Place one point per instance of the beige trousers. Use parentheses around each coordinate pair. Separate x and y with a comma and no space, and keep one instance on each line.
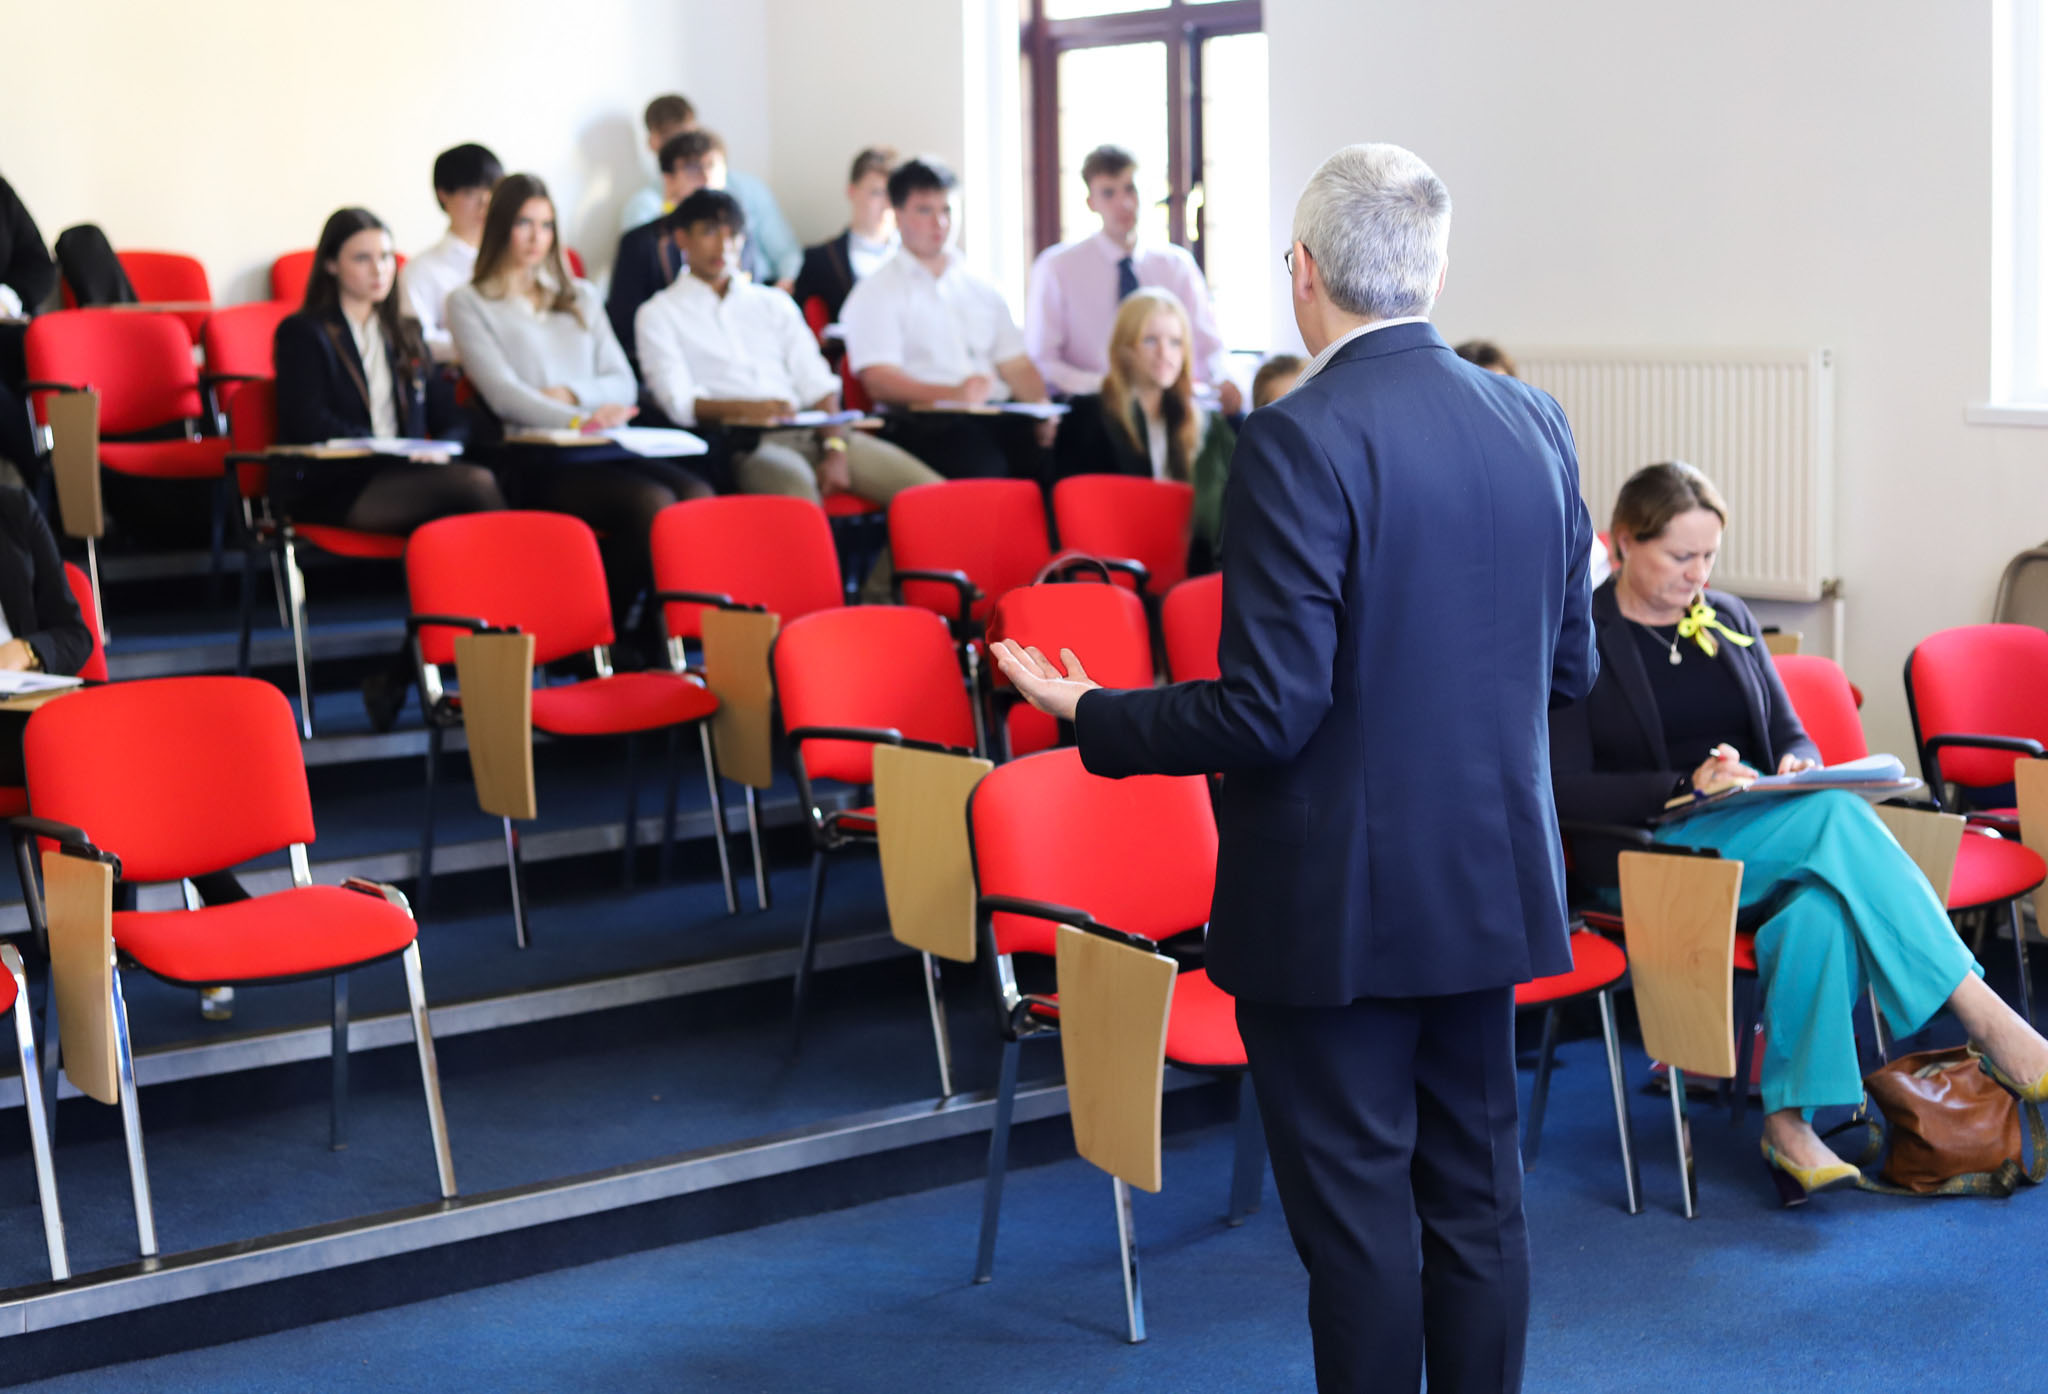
(785,462)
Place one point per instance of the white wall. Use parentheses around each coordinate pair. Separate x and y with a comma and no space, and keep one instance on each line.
(231,128)
(1747,174)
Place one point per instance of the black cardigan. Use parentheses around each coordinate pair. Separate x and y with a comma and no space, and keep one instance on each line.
(34,594)
(322,393)
(24,261)
(1608,759)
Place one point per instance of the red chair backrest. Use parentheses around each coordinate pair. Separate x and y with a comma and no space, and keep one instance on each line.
(239,339)
(575,260)
(252,429)
(1825,705)
(1138,854)
(95,669)
(538,572)
(139,363)
(1104,626)
(852,395)
(881,666)
(1984,680)
(289,275)
(165,276)
(1191,620)
(178,776)
(992,529)
(1122,516)
(760,549)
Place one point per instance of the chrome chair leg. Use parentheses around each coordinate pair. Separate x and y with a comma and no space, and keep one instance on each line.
(2019,949)
(632,838)
(1127,1244)
(515,868)
(1682,1133)
(92,568)
(423,884)
(1747,988)
(131,1124)
(337,1108)
(807,952)
(430,1071)
(754,837)
(717,791)
(998,1160)
(942,1035)
(1539,1092)
(296,584)
(38,1120)
(1248,1161)
(974,698)
(1621,1125)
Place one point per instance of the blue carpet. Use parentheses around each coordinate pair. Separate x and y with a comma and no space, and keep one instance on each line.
(1851,1293)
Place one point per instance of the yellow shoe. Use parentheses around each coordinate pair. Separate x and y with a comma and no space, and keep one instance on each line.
(1795,1184)
(2034,1093)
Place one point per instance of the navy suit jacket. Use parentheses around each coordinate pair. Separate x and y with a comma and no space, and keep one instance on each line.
(1404,599)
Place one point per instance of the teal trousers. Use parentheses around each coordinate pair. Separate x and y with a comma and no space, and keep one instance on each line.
(1853,911)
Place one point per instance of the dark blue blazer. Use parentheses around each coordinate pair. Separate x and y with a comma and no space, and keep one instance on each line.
(322,393)
(1404,598)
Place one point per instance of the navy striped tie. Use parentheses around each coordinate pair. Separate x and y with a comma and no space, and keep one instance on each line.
(1126,280)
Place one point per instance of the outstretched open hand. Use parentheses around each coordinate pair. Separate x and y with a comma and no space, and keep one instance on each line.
(1039,682)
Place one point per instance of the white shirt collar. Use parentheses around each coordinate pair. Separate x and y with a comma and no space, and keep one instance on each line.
(1321,360)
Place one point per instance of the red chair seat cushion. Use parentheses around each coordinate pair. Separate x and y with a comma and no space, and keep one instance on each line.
(347,542)
(1596,963)
(855,820)
(289,934)
(1993,869)
(845,505)
(7,992)
(616,705)
(167,459)
(1745,951)
(1201,1030)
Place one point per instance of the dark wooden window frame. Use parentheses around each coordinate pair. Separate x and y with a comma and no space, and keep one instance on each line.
(1181,27)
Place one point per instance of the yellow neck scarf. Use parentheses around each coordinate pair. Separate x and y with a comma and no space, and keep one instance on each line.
(1701,623)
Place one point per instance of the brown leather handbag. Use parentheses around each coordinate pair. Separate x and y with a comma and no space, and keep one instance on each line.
(1953,1129)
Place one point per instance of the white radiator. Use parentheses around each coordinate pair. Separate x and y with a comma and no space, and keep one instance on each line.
(1761,425)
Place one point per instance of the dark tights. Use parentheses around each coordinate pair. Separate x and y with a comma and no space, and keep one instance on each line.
(618,498)
(399,498)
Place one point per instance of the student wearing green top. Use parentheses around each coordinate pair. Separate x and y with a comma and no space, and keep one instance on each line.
(1145,420)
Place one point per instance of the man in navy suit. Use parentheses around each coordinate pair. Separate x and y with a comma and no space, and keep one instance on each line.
(1404,598)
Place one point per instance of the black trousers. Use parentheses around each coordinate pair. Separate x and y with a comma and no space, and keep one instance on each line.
(617,493)
(1387,1118)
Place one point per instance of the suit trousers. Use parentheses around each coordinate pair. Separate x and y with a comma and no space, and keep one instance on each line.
(1391,1120)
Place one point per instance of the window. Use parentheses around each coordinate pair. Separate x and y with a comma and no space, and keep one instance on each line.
(1181,84)
(2020,279)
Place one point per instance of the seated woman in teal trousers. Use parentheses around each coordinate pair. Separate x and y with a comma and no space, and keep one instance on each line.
(1688,701)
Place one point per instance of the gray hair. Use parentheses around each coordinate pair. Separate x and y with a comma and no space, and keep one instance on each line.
(1377,220)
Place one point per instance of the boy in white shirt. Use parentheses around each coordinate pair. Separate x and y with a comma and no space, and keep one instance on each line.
(922,330)
(719,350)
(463,180)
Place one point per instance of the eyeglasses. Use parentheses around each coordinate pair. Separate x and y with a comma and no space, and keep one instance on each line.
(1287,257)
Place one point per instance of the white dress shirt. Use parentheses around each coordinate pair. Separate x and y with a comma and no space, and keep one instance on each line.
(938,329)
(750,344)
(369,338)
(425,283)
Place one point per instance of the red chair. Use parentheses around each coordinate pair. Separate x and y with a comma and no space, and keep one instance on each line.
(817,317)
(289,275)
(1977,705)
(1191,623)
(1990,870)
(1104,626)
(1598,966)
(140,365)
(237,343)
(541,574)
(960,544)
(849,679)
(575,260)
(1135,857)
(1123,519)
(742,552)
(177,777)
(252,427)
(165,278)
